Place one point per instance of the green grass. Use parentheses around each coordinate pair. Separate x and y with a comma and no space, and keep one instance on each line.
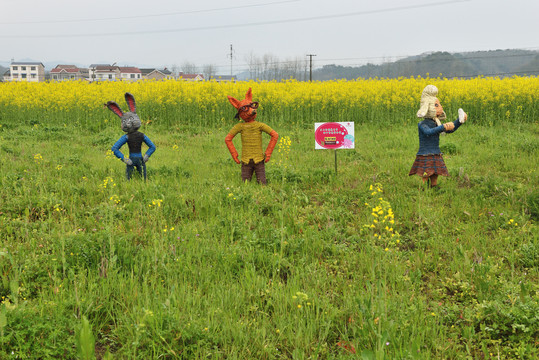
(223,269)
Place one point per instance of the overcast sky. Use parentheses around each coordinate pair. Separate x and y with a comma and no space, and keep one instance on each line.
(346,32)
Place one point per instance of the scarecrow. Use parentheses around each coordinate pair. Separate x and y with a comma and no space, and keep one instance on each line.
(133,138)
(252,156)
(429,162)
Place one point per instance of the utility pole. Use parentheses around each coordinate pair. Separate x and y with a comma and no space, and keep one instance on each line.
(311,66)
(231,59)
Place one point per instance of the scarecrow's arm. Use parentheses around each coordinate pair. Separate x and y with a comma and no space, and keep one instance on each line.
(271,145)
(457,124)
(230,146)
(116,147)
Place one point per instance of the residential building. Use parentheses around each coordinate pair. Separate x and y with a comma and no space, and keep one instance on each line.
(223,78)
(156,74)
(7,75)
(68,72)
(130,73)
(103,72)
(191,77)
(27,71)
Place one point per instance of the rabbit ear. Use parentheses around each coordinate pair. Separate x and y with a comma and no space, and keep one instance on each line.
(115,108)
(234,102)
(249,95)
(130,99)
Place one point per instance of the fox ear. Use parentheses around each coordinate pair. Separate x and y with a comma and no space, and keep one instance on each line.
(234,102)
(249,95)
(130,99)
(115,108)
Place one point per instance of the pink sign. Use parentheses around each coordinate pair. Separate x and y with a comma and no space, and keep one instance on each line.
(334,135)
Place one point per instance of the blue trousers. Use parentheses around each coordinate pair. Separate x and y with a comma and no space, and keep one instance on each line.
(137,164)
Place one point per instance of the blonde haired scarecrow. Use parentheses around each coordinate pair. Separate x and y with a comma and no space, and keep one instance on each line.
(429,162)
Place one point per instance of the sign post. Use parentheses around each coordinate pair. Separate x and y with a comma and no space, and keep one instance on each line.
(334,135)
(335,151)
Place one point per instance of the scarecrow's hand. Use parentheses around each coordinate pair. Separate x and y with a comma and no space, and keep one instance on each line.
(127,161)
(449,126)
(235,157)
(145,158)
(268,156)
(462,116)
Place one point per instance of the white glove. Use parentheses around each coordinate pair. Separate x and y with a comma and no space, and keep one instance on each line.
(462,116)
(145,158)
(127,161)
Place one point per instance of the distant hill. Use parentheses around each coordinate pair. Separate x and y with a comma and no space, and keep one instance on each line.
(489,63)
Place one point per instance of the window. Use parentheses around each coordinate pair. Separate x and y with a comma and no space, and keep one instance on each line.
(33,76)
(55,77)
(23,68)
(132,76)
(23,76)
(33,68)
(110,77)
(15,68)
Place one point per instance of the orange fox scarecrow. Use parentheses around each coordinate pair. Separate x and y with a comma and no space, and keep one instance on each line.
(252,157)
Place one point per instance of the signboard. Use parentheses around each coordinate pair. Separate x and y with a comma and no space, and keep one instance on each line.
(334,135)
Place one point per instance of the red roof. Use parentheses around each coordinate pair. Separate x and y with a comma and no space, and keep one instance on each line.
(191,76)
(57,70)
(128,69)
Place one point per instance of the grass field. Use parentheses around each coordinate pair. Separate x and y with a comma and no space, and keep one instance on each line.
(365,263)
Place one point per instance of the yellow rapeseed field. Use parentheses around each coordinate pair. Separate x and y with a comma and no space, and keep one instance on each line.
(489,99)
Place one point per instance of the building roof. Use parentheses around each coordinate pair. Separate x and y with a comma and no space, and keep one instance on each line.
(223,77)
(191,76)
(66,67)
(69,70)
(106,68)
(130,69)
(149,71)
(26,63)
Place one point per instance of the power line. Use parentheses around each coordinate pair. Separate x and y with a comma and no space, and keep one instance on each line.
(218,27)
(148,15)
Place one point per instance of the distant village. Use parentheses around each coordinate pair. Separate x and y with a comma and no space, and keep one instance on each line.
(35,72)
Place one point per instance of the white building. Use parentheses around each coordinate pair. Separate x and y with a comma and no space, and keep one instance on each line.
(27,71)
(102,72)
(129,73)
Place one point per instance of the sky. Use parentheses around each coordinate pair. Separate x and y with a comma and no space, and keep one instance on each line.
(161,33)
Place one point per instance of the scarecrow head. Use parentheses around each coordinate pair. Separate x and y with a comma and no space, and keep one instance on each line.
(246,107)
(130,119)
(430,107)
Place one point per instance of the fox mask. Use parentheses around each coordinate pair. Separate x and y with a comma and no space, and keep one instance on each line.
(246,108)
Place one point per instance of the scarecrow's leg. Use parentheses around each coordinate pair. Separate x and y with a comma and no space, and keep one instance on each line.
(260,171)
(247,170)
(128,171)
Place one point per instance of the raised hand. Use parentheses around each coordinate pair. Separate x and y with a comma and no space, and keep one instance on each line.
(449,126)
(462,116)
